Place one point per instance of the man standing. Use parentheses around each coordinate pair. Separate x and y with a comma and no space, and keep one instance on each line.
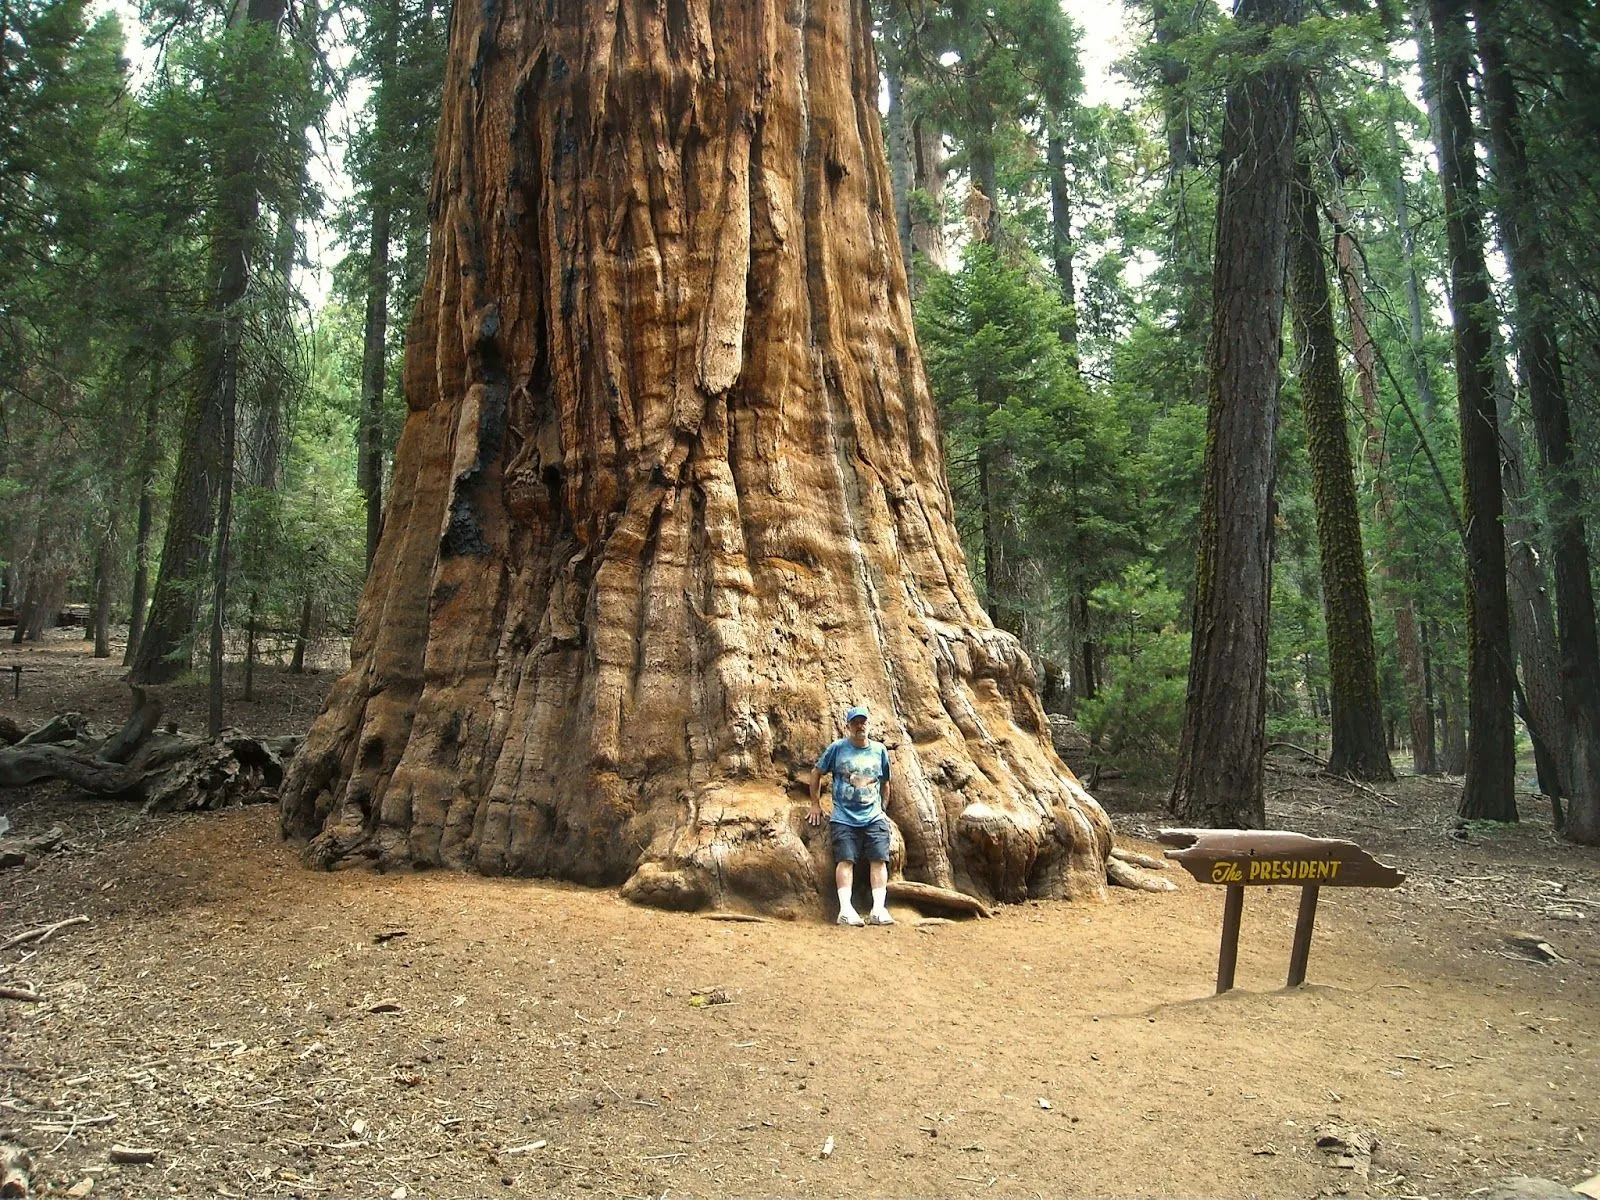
(860,770)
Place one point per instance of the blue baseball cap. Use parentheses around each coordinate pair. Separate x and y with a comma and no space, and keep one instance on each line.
(859,710)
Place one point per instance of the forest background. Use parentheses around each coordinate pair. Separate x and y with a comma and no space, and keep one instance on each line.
(194,438)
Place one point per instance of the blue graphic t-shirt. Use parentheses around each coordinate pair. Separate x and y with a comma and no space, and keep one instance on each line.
(860,774)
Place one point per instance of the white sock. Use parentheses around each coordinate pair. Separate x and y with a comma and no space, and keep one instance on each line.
(880,895)
(844,900)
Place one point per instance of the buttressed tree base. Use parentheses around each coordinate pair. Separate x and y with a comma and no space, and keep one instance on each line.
(670,494)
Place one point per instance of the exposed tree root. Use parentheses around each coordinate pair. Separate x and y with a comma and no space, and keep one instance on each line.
(1125,874)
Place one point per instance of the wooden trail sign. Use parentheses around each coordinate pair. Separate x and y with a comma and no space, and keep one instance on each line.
(1241,858)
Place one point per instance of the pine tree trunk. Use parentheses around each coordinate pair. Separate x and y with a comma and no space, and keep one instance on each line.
(1533,627)
(927,198)
(1408,252)
(900,157)
(1061,241)
(1453,729)
(1533,287)
(1488,793)
(1172,23)
(667,410)
(297,662)
(1402,612)
(1358,744)
(148,460)
(373,370)
(166,648)
(100,622)
(1219,780)
(375,334)
(228,400)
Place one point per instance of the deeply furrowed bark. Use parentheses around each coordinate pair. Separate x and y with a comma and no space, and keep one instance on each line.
(1219,780)
(669,493)
(1359,747)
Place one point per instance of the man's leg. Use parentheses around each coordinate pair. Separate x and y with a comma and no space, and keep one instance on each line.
(846,849)
(878,876)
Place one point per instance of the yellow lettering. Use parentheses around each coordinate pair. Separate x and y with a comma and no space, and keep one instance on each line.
(1333,870)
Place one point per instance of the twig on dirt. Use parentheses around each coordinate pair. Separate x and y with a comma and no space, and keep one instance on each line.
(43,933)
(11,993)
(1316,758)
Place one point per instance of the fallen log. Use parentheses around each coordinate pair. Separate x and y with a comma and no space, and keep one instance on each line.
(27,763)
(10,732)
(926,895)
(28,994)
(68,727)
(122,745)
(167,772)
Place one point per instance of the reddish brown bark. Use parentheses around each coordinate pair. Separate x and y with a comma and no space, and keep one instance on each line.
(670,494)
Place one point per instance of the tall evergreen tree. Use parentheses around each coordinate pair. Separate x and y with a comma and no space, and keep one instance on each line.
(1359,746)
(1219,779)
(1491,752)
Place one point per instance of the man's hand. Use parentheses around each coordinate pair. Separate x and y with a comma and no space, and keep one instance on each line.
(814,817)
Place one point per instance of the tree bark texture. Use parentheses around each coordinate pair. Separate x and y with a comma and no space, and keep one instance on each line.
(927,198)
(1219,780)
(1533,625)
(1533,287)
(901,167)
(1359,747)
(1402,610)
(1491,753)
(670,495)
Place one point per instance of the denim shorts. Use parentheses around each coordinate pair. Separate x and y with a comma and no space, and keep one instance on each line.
(852,843)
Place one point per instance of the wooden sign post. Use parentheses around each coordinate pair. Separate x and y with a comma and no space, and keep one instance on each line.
(1241,858)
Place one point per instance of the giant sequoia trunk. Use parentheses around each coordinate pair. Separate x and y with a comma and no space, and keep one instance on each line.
(1224,726)
(669,493)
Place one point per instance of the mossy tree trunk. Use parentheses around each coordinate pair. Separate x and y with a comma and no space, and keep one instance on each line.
(1359,747)
(669,493)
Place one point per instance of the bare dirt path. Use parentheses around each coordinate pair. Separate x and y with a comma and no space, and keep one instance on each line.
(275,1032)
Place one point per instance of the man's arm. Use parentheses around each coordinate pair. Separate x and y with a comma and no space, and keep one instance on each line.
(817,772)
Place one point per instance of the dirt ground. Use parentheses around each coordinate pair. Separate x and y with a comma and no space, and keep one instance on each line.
(279,1033)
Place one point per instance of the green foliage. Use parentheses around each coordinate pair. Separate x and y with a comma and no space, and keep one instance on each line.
(1136,720)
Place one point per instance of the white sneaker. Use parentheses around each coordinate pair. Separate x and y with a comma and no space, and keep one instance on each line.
(879,916)
(849,916)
